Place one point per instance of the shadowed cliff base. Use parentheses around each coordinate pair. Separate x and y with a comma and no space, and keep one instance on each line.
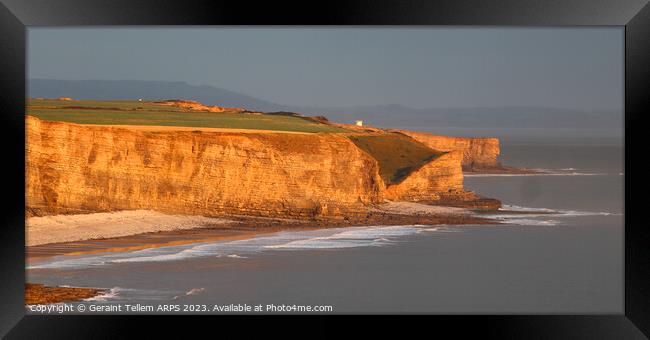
(474,202)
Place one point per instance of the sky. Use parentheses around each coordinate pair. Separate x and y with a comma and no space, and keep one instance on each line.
(419,67)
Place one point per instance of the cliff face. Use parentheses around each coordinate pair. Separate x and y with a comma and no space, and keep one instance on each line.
(477,152)
(84,168)
(74,168)
(442,175)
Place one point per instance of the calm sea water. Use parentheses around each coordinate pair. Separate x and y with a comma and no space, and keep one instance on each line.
(568,261)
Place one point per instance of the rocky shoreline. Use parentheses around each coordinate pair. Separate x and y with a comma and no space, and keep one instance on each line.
(39,294)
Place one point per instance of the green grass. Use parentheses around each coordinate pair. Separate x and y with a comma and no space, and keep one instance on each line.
(398,155)
(146,113)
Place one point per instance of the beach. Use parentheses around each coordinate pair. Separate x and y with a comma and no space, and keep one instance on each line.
(76,235)
(80,227)
(140,229)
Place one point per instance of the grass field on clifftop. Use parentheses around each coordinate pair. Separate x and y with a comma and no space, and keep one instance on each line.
(122,112)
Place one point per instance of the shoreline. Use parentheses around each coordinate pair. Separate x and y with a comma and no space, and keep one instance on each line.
(124,231)
(229,228)
(148,240)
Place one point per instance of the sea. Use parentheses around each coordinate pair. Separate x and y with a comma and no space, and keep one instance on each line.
(564,255)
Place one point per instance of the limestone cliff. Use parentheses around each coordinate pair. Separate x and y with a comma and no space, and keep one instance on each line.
(73,168)
(477,152)
(83,168)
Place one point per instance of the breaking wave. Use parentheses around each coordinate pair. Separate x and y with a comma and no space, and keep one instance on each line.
(518,215)
(531,222)
(322,239)
(333,238)
(195,291)
(543,172)
(358,237)
(120,294)
(553,212)
(112,294)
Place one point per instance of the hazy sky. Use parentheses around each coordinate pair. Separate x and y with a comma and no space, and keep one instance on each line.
(418,67)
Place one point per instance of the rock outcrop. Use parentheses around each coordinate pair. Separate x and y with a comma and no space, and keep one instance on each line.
(478,153)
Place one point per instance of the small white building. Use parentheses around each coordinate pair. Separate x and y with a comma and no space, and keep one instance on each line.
(359,123)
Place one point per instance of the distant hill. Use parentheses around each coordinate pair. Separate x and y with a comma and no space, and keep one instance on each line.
(148,90)
(381,116)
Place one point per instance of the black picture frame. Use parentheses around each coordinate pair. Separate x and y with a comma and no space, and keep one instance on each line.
(15,15)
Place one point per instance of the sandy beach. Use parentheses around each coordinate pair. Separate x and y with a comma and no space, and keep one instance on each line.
(80,227)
